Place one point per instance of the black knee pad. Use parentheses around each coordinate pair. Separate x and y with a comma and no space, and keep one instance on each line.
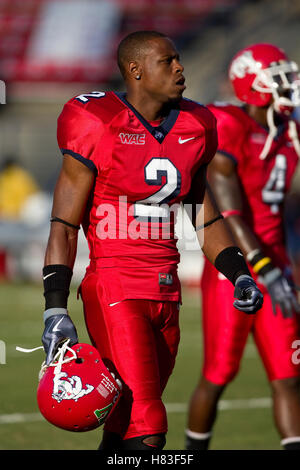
(137,443)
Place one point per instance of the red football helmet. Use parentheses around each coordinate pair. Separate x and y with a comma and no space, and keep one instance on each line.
(261,72)
(77,392)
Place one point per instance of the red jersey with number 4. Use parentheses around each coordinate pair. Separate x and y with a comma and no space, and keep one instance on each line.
(141,171)
(264,183)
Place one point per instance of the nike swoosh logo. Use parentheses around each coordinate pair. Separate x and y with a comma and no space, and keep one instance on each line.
(115,303)
(48,275)
(182,141)
(56,326)
(240,253)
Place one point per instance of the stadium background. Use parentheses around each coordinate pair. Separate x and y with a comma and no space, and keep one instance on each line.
(51,50)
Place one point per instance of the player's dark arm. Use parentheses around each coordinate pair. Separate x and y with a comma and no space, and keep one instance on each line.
(227,192)
(71,193)
(213,233)
(70,198)
(225,185)
(218,245)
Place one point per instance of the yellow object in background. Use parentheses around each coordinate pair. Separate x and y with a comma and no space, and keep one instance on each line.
(16,185)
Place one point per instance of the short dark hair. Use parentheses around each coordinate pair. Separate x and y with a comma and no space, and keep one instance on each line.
(132,46)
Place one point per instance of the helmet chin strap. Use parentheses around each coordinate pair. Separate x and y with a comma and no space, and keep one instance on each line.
(292,131)
(293,135)
(58,360)
(272,132)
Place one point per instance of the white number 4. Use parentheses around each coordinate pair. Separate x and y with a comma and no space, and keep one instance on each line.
(273,191)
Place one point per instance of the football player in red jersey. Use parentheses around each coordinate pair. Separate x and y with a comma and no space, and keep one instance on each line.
(258,151)
(128,158)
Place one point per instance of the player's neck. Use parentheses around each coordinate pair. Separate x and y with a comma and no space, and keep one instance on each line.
(259,114)
(150,109)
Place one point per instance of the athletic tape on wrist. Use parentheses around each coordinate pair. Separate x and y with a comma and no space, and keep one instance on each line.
(250,256)
(54,311)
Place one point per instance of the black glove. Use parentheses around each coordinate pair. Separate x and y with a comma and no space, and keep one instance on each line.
(280,292)
(58,328)
(249,298)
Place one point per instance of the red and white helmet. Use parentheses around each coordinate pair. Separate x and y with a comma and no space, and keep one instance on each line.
(262,75)
(261,72)
(76,391)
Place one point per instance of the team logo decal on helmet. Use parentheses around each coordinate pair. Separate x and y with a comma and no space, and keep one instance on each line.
(101,415)
(76,391)
(69,388)
(242,65)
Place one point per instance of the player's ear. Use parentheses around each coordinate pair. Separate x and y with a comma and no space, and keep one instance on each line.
(134,70)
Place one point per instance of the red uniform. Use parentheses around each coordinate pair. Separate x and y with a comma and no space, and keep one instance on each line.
(141,170)
(264,183)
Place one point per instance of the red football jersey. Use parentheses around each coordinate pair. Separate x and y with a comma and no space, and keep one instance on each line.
(141,170)
(264,183)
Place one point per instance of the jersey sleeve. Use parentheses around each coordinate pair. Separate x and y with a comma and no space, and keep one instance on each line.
(230,133)
(78,133)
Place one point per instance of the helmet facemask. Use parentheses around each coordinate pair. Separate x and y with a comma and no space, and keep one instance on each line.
(283,82)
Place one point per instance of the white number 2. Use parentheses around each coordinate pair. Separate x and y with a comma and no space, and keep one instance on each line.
(94,94)
(155,169)
(273,191)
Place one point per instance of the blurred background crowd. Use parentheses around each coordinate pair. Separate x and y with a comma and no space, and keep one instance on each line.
(51,50)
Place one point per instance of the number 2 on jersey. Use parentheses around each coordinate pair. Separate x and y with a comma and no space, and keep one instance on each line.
(86,96)
(155,170)
(273,191)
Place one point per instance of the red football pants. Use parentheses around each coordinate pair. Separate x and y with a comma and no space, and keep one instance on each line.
(225,332)
(139,340)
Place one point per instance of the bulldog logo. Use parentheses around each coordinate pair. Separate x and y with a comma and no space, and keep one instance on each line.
(69,388)
(242,65)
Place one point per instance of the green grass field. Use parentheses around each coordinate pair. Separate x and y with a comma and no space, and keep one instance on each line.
(21,427)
